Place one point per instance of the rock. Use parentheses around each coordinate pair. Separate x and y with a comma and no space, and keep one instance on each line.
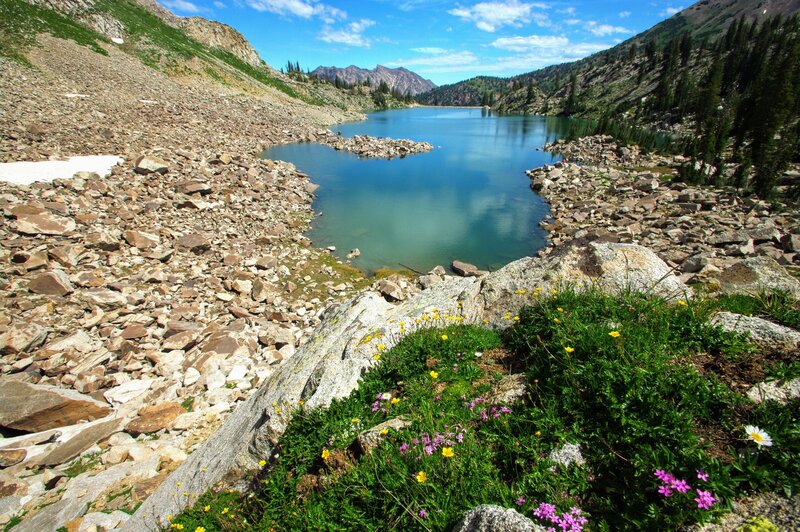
(134,331)
(87,487)
(390,290)
(491,518)
(44,224)
(355,252)
(154,418)
(10,457)
(371,438)
(99,521)
(142,240)
(126,392)
(195,242)
(780,391)
(508,390)
(756,275)
(81,439)
(464,269)
(38,407)
(54,516)
(103,297)
(147,164)
(570,453)
(694,264)
(52,283)
(764,333)
(22,337)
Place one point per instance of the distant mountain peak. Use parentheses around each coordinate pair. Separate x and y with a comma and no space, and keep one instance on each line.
(400,79)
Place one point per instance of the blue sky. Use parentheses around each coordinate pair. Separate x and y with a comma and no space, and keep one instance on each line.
(444,41)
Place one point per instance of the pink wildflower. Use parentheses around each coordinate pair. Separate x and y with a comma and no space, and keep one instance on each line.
(704,499)
(665,490)
(423,514)
(702,475)
(520,501)
(681,486)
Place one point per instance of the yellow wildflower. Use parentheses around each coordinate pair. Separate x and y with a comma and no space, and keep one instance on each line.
(381,347)
(176,526)
(569,349)
(376,356)
(444,337)
(207,507)
(447,452)
(200,529)
(325,454)
(560,309)
(395,400)
(262,463)
(682,303)
(434,375)
(516,318)
(355,420)
(556,320)
(421,477)
(614,334)
(224,511)
(384,432)
(538,433)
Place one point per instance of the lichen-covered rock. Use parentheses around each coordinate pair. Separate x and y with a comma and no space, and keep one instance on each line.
(755,275)
(780,391)
(761,332)
(491,518)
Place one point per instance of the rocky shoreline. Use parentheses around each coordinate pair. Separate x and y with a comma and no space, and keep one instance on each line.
(140,308)
(370,147)
(605,192)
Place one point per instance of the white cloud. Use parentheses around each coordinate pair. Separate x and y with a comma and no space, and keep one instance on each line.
(668,12)
(572,21)
(531,42)
(299,8)
(219,5)
(489,16)
(625,14)
(431,50)
(351,36)
(182,5)
(457,60)
(601,30)
(568,11)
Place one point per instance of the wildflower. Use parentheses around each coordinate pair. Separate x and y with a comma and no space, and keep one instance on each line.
(556,320)
(207,507)
(516,318)
(176,526)
(325,454)
(569,349)
(354,420)
(421,477)
(761,438)
(444,337)
(200,529)
(376,356)
(560,309)
(403,448)
(384,432)
(277,410)
(702,475)
(262,463)
(538,433)
(665,490)
(447,452)
(394,400)
(545,511)
(681,486)
(614,334)
(704,499)
(682,303)
(434,375)
(520,501)
(423,514)
(178,484)
(381,347)
(224,511)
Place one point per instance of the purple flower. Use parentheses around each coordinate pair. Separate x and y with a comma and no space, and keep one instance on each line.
(545,511)
(704,499)
(702,475)
(665,490)
(423,514)
(403,448)
(438,397)
(520,501)
(460,437)
(681,486)
(429,450)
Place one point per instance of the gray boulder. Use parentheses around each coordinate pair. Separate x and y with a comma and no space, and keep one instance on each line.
(758,274)
(761,332)
(491,518)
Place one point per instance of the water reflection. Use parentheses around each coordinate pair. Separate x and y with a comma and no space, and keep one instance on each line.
(467,199)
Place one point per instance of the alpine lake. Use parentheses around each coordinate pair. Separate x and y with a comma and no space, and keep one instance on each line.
(467,199)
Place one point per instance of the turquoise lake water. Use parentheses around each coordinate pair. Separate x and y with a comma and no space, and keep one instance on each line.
(468,199)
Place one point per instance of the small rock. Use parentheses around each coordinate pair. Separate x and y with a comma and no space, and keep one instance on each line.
(147,164)
(52,283)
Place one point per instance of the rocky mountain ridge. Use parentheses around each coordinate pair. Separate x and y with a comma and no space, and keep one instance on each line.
(400,80)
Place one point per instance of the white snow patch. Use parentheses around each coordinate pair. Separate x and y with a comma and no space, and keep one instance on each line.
(117,40)
(26,172)
(75,95)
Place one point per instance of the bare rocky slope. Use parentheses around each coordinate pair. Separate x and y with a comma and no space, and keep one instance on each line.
(399,79)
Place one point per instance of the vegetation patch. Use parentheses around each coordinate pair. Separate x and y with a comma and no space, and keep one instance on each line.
(613,428)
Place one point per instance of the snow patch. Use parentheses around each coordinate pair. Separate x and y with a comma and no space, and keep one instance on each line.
(26,172)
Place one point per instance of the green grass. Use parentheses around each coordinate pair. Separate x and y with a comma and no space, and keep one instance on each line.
(82,464)
(775,306)
(634,402)
(20,22)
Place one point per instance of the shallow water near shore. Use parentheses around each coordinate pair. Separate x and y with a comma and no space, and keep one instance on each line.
(468,199)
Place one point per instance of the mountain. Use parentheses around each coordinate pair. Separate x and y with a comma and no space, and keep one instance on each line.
(400,80)
(618,77)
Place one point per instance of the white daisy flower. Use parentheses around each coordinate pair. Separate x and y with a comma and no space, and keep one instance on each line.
(761,438)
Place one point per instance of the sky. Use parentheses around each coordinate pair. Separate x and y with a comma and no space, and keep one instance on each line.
(442,40)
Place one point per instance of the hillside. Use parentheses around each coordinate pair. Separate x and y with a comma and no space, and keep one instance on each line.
(480,90)
(399,80)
